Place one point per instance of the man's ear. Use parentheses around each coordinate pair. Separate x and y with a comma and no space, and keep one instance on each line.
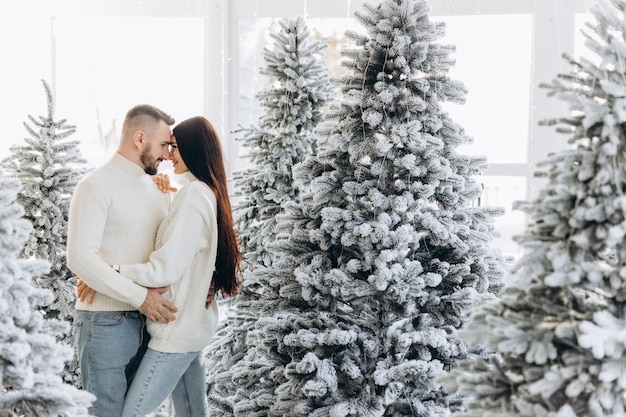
(138,138)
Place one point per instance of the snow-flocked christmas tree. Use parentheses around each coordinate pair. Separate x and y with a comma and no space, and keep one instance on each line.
(558,330)
(31,358)
(298,89)
(49,166)
(376,266)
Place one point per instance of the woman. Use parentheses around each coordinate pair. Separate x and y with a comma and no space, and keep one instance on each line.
(196,254)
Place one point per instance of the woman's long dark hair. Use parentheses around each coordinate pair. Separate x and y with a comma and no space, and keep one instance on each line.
(200,148)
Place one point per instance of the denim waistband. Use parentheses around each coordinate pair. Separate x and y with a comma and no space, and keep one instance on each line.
(132,314)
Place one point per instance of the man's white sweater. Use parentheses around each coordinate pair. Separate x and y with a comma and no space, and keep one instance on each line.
(114,215)
(184,260)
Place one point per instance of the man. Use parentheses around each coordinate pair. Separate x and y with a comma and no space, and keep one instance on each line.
(113,219)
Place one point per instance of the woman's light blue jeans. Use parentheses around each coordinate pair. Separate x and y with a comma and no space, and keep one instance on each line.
(109,345)
(159,374)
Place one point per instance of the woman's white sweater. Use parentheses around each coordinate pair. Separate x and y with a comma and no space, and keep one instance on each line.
(184,260)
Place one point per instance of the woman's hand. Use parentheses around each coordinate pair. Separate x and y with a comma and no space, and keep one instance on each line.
(83,291)
(163,182)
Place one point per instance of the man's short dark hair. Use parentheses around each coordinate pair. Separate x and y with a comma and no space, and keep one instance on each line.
(148,110)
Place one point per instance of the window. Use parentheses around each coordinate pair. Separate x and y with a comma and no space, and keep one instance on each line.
(118,62)
(100,61)
(496,70)
(203,56)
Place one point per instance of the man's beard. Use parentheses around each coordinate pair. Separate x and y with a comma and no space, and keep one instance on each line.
(148,167)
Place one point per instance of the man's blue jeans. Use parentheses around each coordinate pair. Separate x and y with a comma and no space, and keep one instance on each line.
(159,374)
(110,345)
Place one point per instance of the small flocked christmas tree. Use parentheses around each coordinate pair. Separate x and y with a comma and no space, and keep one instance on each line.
(48,166)
(298,89)
(31,358)
(377,265)
(558,330)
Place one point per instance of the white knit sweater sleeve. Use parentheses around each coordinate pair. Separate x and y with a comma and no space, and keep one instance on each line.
(185,227)
(87,218)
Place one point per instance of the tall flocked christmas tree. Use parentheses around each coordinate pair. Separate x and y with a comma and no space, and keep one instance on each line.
(558,329)
(49,166)
(298,89)
(31,358)
(378,263)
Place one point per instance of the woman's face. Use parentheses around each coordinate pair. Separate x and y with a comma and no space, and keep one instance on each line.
(177,160)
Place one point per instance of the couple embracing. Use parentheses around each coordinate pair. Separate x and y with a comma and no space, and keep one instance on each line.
(150,265)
